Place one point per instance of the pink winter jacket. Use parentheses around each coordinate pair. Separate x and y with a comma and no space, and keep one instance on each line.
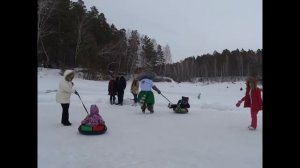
(94,117)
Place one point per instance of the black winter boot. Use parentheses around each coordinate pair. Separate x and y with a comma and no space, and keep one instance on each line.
(143,108)
(150,108)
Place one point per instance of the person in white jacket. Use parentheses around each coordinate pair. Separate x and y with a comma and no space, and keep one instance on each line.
(63,95)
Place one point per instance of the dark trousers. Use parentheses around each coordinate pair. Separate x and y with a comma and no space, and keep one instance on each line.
(135,98)
(148,106)
(120,96)
(112,99)
(65,113)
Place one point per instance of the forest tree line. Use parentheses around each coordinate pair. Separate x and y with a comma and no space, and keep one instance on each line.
(70,36)
(226,66)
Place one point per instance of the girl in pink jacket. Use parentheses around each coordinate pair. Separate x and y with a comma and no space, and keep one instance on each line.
(94,117)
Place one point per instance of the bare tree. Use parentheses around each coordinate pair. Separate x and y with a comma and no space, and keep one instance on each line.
(82,33)
(45,8)
(167,54)
(80,25)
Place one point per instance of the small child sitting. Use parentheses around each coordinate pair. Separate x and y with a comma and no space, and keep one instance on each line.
(94,117)
(181,106)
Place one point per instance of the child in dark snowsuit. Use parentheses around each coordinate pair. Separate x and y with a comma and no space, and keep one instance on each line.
(181,106)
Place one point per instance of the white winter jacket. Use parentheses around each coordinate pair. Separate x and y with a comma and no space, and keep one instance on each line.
(65,89)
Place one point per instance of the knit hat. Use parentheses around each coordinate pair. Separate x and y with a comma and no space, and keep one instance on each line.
(94,109)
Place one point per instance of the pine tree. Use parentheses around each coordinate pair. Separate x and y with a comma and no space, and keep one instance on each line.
(167,54)
(148,53)
(133,46)
(160,56)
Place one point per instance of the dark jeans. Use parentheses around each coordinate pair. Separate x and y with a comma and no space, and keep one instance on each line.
(112,99)
(135,98)
(65,113)
(120,96)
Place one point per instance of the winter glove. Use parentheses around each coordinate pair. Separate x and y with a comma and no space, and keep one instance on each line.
(72,83)
(76,92)
(158,92)
(238,103)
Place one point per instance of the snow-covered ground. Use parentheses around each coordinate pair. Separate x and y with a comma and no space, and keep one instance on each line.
(213,134)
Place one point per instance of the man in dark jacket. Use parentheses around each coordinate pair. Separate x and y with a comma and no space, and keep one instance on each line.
(121,85)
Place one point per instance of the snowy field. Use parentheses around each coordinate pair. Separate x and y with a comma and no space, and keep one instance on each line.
(213,134)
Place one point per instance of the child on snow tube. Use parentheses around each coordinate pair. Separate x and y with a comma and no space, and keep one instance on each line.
(181,106)
(93,124)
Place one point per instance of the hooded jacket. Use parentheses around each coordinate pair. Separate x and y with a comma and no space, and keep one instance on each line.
(65,89)
(94,117)
(252,98)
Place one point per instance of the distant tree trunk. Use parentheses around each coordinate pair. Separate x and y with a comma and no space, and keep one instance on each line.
(48,60)
(215,66)
(248,69)
(227,66)
(78,40)
(242,62)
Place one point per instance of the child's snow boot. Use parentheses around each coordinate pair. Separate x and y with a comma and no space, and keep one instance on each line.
(143,107)
(251,128)
(150,108)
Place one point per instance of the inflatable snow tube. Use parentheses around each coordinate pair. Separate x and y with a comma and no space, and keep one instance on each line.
(181,110)
(89,130)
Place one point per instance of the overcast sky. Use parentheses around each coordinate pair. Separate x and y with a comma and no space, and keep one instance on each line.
(190,27)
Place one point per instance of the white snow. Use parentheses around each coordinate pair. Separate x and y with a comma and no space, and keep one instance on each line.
(213,134)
